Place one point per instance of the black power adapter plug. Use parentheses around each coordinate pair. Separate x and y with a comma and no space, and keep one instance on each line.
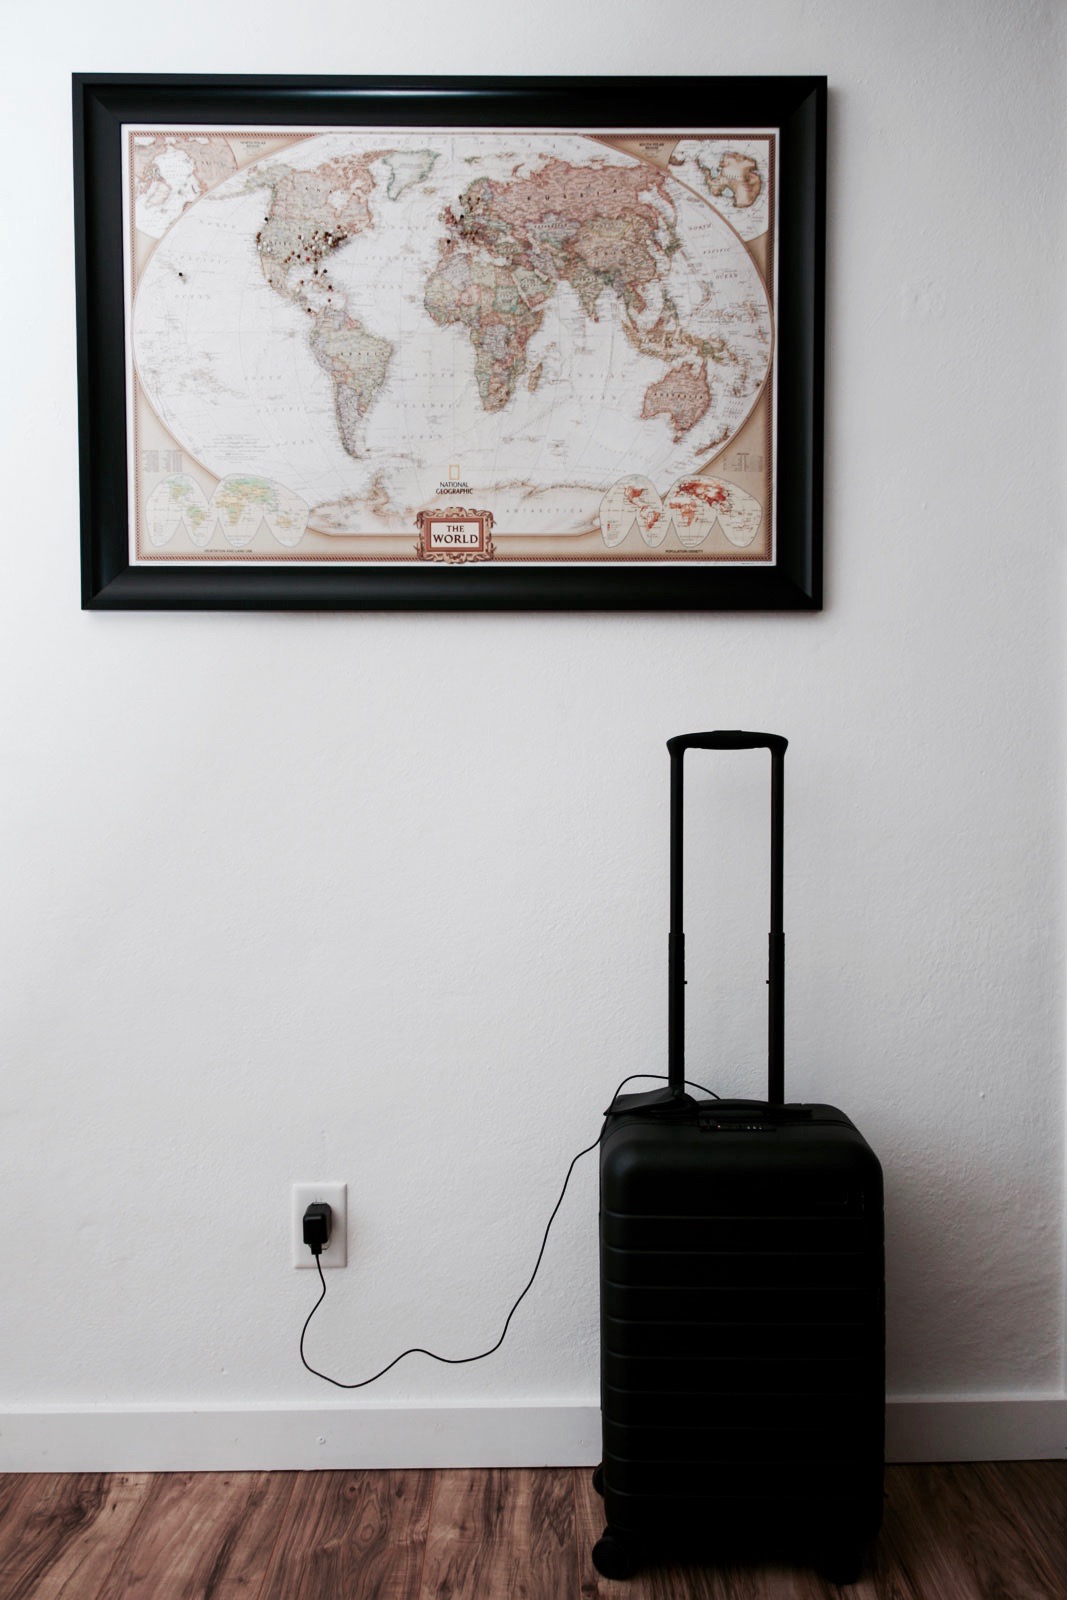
(317,1221)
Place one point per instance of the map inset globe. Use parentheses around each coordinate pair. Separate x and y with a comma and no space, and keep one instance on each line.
(366,318)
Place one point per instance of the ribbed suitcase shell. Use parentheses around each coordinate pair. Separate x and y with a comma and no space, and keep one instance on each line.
(742,1326)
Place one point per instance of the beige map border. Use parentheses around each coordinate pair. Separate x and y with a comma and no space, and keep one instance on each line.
(754,439)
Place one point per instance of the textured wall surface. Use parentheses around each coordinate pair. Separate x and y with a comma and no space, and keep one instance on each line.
(384,899)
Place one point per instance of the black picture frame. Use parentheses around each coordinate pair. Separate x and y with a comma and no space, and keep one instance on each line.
(794,107)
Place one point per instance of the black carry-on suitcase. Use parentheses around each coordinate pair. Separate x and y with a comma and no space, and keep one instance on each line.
(742,1299)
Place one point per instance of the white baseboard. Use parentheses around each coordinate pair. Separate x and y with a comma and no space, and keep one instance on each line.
(299,1438)
(1012,1428)
(263,1438)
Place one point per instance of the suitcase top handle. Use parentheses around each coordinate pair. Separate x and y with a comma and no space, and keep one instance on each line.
(727,739)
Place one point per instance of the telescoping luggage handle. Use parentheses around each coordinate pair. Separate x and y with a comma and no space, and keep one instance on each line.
(727,739)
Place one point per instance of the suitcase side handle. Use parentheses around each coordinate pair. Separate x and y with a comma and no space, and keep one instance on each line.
(727,739)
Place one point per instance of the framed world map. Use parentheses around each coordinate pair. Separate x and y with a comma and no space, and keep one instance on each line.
(440,343)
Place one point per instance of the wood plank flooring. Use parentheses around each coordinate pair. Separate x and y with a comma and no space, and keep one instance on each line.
(977,1532)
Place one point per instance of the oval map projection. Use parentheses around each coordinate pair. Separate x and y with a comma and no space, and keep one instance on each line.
(371,322)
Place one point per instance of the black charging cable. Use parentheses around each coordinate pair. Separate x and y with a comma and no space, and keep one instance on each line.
(459,1361)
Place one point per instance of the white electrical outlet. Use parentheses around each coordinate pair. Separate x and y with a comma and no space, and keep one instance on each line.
(335,1195)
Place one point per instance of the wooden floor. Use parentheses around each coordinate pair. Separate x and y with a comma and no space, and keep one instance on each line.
(986,1532)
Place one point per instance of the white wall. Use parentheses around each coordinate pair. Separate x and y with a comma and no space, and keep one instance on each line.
(383,899)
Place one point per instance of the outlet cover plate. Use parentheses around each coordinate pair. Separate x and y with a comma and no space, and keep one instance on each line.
(335,1195)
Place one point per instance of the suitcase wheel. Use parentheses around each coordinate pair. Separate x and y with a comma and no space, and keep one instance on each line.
(598,1479)
(841,1565)
(612,1558)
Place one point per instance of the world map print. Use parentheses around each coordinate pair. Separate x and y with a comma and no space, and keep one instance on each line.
(362,326)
